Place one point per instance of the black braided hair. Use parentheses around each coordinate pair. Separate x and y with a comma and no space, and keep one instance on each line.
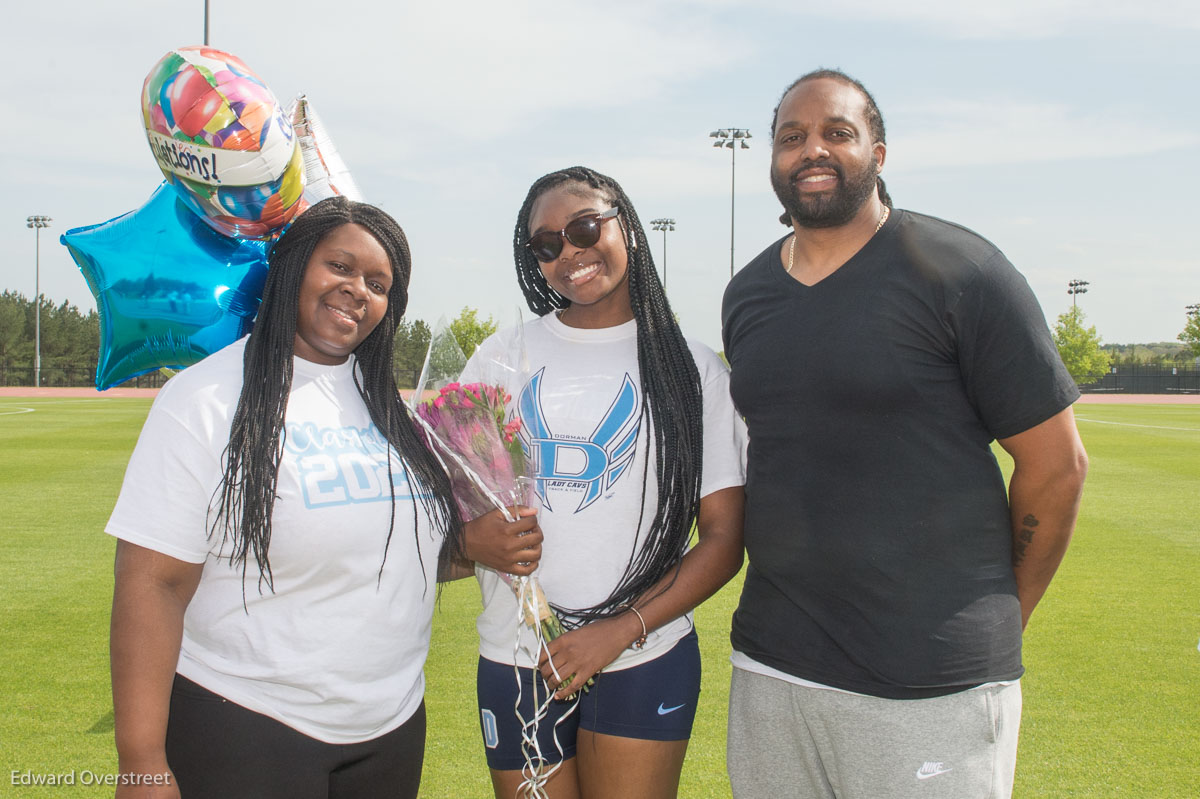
(246,496)
(874,121)
(671,390)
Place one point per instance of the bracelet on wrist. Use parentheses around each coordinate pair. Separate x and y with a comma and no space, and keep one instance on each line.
(640,641)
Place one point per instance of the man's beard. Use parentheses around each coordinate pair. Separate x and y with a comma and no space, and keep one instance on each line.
(827,209)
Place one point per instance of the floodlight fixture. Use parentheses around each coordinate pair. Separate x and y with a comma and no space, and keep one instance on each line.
(726,137)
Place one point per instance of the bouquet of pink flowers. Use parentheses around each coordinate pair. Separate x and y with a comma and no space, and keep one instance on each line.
(468,422)
(488,470)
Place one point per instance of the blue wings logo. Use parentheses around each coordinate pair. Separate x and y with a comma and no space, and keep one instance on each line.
(593,465)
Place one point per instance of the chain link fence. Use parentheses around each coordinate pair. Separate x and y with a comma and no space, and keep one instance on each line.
(1142,378)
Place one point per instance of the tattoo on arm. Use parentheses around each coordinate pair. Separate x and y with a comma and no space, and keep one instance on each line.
(1023,538)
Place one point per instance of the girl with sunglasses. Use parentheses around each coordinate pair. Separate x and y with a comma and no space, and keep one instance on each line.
(634,440)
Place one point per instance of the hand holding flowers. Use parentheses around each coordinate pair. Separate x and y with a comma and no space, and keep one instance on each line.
(466,426)
(507,547)
(584,651)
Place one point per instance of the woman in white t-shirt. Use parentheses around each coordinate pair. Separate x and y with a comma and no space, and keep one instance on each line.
(633,439)
(279,528)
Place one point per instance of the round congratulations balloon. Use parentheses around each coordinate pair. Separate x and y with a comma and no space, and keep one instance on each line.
(223,142)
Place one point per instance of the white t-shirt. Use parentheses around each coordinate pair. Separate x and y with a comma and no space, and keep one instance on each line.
(581,410)
(337,650)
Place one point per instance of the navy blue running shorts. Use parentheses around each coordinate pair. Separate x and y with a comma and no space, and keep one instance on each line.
(653,701)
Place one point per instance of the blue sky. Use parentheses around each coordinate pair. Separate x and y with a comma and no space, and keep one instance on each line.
(1062,130)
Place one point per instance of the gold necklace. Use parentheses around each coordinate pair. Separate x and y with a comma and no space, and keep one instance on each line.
(792,247)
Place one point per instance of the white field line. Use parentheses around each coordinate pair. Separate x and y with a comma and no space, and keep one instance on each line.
(12,410)
(1130,424)
(70,401)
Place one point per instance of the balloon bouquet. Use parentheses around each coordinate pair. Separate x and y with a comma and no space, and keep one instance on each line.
(182,276)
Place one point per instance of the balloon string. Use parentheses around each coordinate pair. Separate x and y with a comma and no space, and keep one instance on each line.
(535,773)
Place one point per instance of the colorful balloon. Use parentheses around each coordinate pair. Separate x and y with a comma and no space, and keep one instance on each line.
(223,142)
(169,290)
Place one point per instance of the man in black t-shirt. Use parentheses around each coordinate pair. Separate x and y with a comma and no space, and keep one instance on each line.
(876,354)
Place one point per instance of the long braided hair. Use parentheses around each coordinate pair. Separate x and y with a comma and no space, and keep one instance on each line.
(670,386)
(247,493)
(874,121)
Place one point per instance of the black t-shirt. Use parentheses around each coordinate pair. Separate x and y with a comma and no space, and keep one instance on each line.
(877,519)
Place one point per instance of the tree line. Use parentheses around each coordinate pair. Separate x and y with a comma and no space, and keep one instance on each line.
(70,341)
(1088,360)
(70,344)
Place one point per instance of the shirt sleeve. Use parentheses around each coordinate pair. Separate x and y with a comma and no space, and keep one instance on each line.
(725,435)
(169,483)
(1010,365)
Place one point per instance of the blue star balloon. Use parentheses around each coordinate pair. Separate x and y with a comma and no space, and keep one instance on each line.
(169,289)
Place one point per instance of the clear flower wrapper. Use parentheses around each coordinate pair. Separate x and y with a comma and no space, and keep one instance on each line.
(468,428)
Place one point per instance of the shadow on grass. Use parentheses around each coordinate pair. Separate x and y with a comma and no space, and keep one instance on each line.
(103,724)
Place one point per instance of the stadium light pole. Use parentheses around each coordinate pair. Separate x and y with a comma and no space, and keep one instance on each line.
(731,138)
(1075,288)
(664,224)
(37,222)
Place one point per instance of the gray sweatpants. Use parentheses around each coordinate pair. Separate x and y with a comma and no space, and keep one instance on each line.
(791,741)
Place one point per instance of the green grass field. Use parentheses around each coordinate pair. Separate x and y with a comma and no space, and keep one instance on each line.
(1112,693)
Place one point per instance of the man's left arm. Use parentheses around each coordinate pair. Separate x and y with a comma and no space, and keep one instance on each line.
(1047,482)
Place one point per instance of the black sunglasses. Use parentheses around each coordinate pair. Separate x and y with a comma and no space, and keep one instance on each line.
(583,231)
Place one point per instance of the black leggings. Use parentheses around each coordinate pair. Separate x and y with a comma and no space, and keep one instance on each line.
(219,750)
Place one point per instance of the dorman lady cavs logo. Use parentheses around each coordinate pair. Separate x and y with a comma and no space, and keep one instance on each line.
(575,465)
